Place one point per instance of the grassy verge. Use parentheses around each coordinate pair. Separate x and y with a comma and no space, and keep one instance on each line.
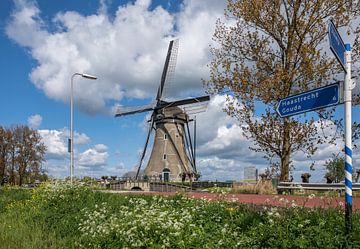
(65,216)
(21,232)
(18,227)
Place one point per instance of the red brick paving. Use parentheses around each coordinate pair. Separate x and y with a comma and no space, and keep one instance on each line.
(282,200)
(275,200)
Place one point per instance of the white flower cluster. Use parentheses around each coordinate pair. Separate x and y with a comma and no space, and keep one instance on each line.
(57,191)
(272,214)
(140,223)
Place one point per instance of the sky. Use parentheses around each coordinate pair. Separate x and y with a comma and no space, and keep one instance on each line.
(123,43)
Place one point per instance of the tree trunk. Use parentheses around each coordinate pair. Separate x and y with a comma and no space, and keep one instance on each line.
(2,170)
(21,175)
(12,178)
(284,175)
(285,157)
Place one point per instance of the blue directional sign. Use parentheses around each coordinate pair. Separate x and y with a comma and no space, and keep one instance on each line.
(336,44)
(308,101)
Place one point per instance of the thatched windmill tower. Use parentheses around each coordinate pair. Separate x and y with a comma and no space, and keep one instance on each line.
(170,158)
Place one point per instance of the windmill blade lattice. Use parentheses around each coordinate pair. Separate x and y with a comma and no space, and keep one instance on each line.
(169,67)
(151,125)
(123,111)
(195,108)
(171,70)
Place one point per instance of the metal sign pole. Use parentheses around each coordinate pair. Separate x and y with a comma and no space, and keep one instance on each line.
(342,53)
(348,143)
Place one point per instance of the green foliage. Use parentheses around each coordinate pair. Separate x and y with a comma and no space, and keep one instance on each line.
(219,190)
(74,216)
(335,168)
(21,155)
(18,227)
(11,195)
(297,228)
(26,232)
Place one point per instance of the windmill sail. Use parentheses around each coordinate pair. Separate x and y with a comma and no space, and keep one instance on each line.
(184,102)
(151,125)
(169,79)
(169,67)
(195,108)
(122,111)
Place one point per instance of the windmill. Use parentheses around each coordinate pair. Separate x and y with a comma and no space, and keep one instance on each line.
(173,155)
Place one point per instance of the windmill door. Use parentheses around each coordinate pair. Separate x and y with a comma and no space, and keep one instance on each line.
(166,175)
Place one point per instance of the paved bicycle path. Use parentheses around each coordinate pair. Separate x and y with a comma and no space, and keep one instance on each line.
(274,200)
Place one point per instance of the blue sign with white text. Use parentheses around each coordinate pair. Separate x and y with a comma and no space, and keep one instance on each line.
(336,44)
(308,101)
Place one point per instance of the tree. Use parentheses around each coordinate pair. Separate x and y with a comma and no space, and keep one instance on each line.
(31,153)
(13,153)
(4,152)
(335,169)
(273,50)
(86,179)
(21,154)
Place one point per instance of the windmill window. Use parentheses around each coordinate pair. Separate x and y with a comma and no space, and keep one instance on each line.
(165,136)
(164,156)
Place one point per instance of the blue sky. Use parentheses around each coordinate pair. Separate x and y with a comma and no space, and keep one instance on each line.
(123,43)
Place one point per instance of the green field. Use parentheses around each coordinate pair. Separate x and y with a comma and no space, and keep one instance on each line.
(64,216)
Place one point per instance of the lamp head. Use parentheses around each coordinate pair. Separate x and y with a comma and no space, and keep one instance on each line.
(88,76)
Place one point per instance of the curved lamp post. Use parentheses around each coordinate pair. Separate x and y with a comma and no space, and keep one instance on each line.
(71,140)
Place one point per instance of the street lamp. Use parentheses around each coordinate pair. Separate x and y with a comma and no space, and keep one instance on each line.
(71,140)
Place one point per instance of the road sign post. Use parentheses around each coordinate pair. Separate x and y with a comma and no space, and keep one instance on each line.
(348,142)
(309,101)
(329,96)
(343,54)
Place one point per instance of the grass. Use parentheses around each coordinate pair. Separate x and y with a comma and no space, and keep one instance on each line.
(18,228)
(260,187)
(65,216)
(26,233)
(12,194)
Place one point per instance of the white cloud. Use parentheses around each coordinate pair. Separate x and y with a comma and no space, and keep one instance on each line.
(34,121)
(215,168)
(56,142)
(105,170)
(220,134)
(223,151)
(94,157)
(100,148)
(126,51)
(57,169)
(25,21)
(62,53)
(91,162)
(81,138)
